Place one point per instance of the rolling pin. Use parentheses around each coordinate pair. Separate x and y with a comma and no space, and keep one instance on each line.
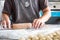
(22,25)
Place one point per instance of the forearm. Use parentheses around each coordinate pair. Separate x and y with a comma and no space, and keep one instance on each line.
(46,15)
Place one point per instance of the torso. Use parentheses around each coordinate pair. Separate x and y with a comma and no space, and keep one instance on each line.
(25,11)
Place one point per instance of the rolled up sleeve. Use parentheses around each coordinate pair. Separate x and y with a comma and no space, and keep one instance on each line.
(43,4)
(7,7)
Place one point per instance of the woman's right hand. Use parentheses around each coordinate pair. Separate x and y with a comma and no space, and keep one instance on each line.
(6,24)
(6,21)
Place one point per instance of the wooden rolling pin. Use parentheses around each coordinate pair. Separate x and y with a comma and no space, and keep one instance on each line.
(22,25)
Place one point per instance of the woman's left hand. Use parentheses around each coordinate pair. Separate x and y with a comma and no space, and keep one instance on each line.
(37,23)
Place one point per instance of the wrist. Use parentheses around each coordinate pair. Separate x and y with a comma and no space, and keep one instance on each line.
(42,20)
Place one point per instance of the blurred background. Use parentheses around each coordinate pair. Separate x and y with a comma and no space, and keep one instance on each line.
(55,11)
(1,8)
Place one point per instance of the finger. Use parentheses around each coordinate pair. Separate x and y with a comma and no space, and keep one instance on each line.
(34,22)
(36,25)
(39,25)
(9,25)
(42,25)
(4,24)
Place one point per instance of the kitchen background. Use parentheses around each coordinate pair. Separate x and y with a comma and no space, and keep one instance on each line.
(55,11)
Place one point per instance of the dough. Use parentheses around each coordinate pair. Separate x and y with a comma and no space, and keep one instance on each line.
(30,37)
(22,38)
(41,37)
(48,37)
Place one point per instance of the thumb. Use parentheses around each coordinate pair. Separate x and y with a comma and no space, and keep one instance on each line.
(9,25)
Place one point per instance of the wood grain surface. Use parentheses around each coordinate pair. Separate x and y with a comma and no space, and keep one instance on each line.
(22,25)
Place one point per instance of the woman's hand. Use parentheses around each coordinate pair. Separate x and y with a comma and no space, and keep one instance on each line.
(6,21)
(6,24)
(37,23)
